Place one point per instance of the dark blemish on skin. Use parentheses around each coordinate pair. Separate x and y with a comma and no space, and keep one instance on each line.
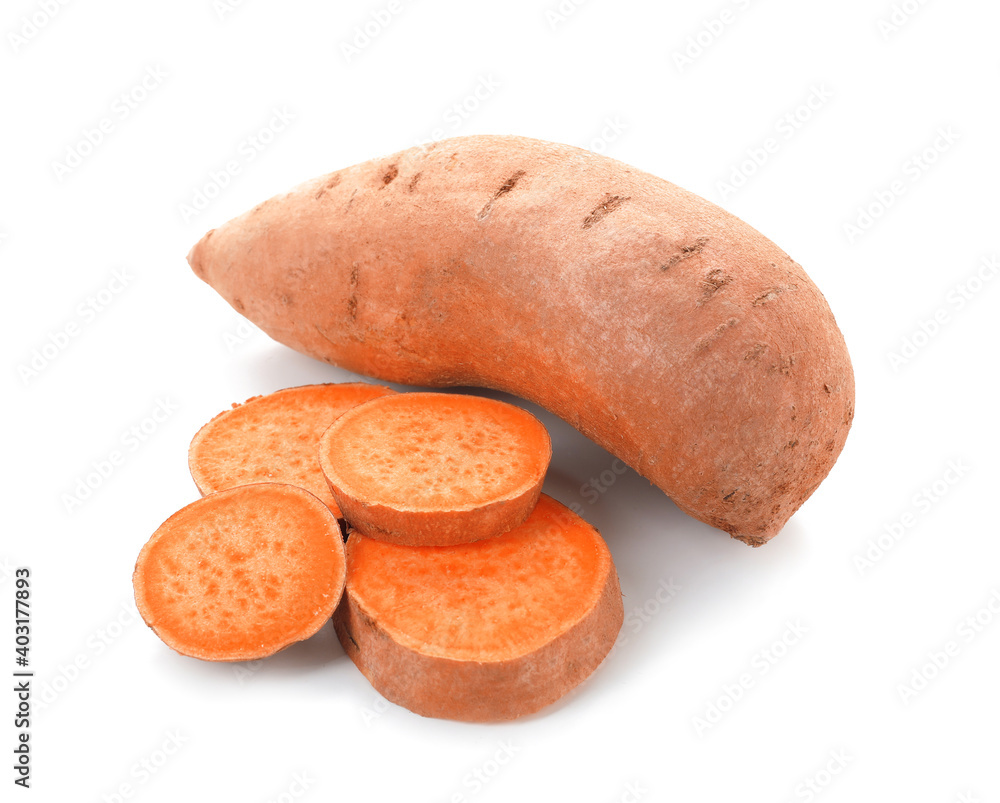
(792,444)
(755,352)
(604,208)
(413,181)
(238,305)
(686,252)
(713,282)
(352,302)
(351,201)
(772,294)
(286,299)
(506,187)
(730,495)
(785,366)
(827,388)
(716,333)
(390,175)
(351,638)
(333,182)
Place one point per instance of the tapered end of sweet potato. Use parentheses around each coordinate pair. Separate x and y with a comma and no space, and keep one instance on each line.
(241,574)
(435,468)
(274,438)
(486,631)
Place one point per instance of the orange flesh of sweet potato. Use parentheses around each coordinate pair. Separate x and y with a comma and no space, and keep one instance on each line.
(435,468)
(484,631)
(242,573)
(274,438)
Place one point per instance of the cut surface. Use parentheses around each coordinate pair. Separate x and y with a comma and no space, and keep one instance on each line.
(435,468)
(483,631)
(274,438)
(242,573)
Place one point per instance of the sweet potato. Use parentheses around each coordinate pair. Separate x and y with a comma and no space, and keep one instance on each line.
(274,438)
(484,631)
(435,468)
(662,327)
(241,574)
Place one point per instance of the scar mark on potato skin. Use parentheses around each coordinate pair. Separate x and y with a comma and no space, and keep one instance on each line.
(686,252)
(715,334)
(784,367)
(755,352)
(714,281)
(389,176)
(351,201)
(772,294)
(604,208)
(238,305)
(352,301)
(413,181)
(329,185)
(506,187)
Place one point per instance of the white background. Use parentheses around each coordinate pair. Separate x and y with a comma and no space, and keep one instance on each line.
(832,709)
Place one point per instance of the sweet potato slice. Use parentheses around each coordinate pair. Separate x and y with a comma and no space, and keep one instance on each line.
(274,438)
(435,468)
(241,574)
(485,631)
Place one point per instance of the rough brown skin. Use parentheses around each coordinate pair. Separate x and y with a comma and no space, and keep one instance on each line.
(487,631)
(662,327)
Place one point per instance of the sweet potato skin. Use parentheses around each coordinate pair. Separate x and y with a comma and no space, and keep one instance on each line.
(665,329)
(419,677)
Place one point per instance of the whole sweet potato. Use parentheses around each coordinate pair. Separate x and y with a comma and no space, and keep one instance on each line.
(665,329)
